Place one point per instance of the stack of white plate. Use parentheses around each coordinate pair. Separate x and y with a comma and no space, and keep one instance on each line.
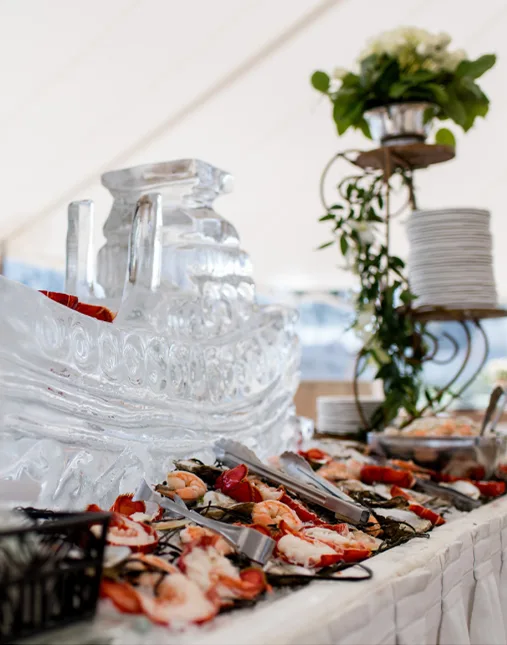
(451,260)
(339,414)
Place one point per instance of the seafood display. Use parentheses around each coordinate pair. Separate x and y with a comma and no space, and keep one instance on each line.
(438,427)
(457,447)
(178,573)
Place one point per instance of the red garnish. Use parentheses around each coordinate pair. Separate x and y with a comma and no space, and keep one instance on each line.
(421,511)
(304,514)
(355,555)
(123,596)
(314,455)
(124,505)
(250,584)
(426,514)
(72,302)
(384,475)
(486,488)
(490,489)
(235,484)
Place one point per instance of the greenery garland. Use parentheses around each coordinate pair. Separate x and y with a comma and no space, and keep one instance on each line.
(393,341)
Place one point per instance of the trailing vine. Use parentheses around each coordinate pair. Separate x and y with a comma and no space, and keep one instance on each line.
(393,341)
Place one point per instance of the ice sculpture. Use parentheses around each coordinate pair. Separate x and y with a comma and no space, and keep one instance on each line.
(87,406)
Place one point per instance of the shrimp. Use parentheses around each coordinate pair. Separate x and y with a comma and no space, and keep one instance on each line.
(343,539)
(339,470)
(172,599)
(178,601)
(203,537)
(272,512)
(267,492)
(409,465)
(187,485)
(306,552)
(153,561)
(217,576)
(150,569)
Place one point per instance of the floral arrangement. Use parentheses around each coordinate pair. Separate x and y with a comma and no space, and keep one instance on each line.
(408,64)
(403,65)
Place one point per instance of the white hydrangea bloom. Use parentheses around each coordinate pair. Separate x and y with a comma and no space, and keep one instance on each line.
(451,60)
(339,73)
(496,369)
(444,39)
(380,353)
(363,325)
(399,42)
(365,230)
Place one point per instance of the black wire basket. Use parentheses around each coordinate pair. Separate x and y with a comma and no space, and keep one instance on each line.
(50,571)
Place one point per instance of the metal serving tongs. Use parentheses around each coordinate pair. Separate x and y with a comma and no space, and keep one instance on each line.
(254,544)
(232,453)
(461,502)
(297,467)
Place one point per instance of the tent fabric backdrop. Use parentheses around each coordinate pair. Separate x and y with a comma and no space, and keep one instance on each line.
(96,85)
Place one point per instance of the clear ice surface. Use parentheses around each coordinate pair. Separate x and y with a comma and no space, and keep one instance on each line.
(87,407)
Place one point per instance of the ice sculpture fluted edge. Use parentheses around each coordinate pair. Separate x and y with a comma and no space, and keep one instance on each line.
(88,406)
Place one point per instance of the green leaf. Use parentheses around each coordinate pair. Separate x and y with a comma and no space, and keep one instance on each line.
(474,108)
(388,77)
(397,89)
(406,297)
(468,85)
(368,65)
(325,245)
(344,101)
(417,77)
(476,68)
(320,81)
(344,245)
(350,80)
(455,108)
(327,217)
(350,118)
(445,137)
(439,93)
(364,127)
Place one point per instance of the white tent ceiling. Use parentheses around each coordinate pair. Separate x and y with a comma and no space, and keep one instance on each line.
(92,85)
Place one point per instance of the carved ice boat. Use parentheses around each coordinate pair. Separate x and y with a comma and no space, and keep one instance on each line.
(87,405)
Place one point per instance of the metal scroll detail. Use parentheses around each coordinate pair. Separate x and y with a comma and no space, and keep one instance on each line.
(469,360)
(405,160)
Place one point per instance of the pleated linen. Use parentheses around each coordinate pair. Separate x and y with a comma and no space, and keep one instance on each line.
(487,620)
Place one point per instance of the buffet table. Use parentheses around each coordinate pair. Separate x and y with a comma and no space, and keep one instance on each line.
(448,589)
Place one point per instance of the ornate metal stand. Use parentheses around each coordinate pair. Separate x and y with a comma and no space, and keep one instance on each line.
(409,158)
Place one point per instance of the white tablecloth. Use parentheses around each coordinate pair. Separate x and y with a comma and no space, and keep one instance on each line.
(449,589)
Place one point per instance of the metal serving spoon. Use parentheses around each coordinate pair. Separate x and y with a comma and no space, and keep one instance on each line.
(496,395)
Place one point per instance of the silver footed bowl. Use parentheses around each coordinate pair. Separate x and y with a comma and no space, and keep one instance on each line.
(400,123)
(444,454)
